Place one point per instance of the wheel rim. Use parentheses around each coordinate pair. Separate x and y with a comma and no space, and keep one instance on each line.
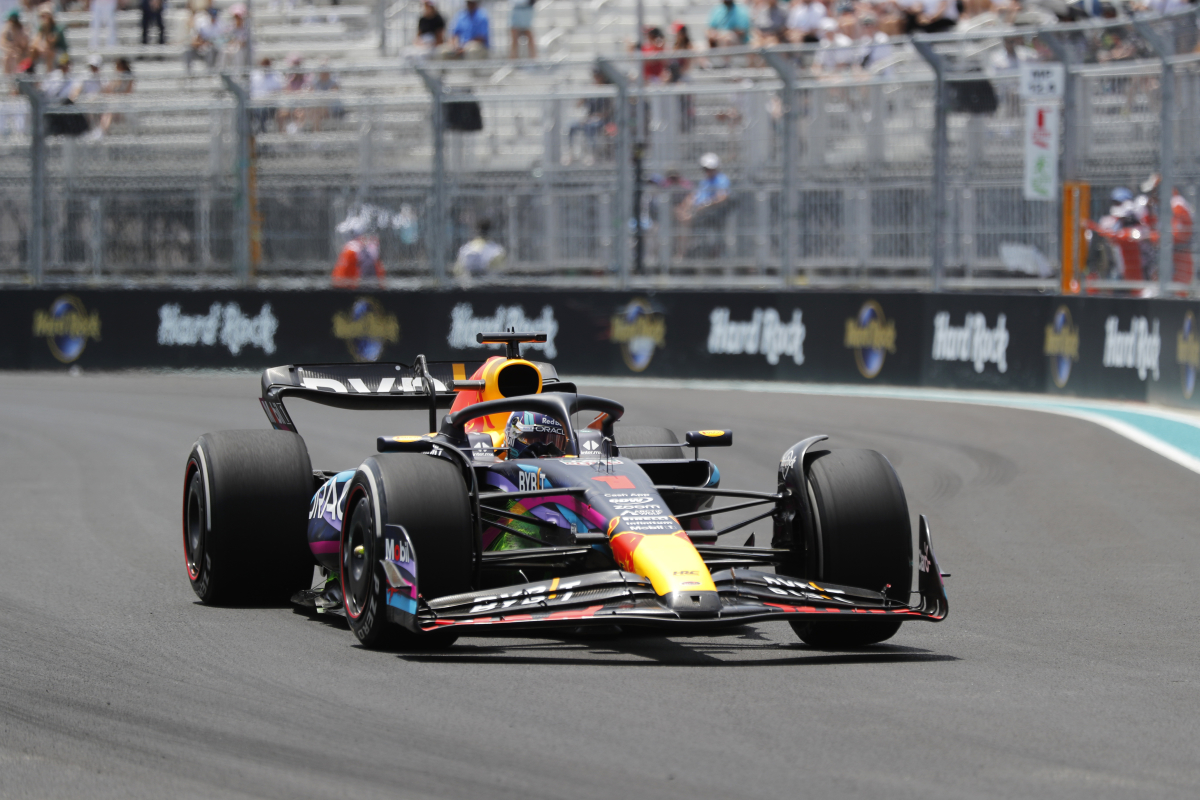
(356,571)
(193,538)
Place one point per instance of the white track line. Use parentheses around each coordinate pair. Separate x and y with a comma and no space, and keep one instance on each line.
(1093,411)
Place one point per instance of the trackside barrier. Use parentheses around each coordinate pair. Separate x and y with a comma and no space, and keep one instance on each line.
(1137,349)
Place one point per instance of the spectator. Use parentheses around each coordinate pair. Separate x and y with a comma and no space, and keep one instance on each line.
(264,82)
(728,25)
(16,43)
(932,16)
(325,82)
(678,67)
(1182,217)
(654,68)
(104,15)
(770,23)
(709,196)
(431,27)
(122,84)
(804,21)
(92,84)
(203,37)
(152,14)
(521,25)
(479,256)
(360,255)
(1182,225)
(469,33)
(599,114)
(837,52)
(291,119)
(50,42)
(876,47)
(236,52)
(1007,60)
(60,87)
(977,8)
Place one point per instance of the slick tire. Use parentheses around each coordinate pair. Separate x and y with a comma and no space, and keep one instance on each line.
(863,538)
(428,496)
(245,516)
(629,437)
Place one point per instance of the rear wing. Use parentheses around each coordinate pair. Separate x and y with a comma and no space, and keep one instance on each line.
(378,386)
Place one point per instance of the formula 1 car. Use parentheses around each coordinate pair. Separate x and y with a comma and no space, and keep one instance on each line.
(454,531)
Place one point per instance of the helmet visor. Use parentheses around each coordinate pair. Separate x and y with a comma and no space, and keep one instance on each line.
(530,436)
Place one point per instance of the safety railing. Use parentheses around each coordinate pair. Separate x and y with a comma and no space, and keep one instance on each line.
(900,166)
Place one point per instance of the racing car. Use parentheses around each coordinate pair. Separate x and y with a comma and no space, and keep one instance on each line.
(532,506)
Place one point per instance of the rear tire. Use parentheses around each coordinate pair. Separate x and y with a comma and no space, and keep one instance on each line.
(863,538)
(628,438)
(245,516)
(428,496)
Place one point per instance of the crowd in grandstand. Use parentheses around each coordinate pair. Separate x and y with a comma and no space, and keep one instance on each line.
(855,32)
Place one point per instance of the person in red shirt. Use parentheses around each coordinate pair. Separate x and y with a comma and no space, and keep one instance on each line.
(1182,220)
(656,43)
(360,255)
(1182,217)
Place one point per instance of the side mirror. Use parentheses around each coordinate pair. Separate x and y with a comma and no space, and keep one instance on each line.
(709,438)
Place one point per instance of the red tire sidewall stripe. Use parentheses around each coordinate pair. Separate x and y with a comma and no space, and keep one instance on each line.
(350,501)
(193,467)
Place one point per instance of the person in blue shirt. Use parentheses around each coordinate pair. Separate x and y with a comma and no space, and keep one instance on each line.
(470,32)
(728,25)
(710,195)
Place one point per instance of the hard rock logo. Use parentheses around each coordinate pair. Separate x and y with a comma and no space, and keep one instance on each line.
(639,329)
(366,328)
(871,336)
(1061,345)
(1187,354)
(67,326)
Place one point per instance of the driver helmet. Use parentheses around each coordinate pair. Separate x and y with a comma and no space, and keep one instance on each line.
(529,434)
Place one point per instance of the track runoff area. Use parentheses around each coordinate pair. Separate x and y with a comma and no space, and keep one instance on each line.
(1066,669)
(1174,435)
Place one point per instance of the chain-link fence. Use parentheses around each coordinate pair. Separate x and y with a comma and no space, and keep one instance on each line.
(896,164)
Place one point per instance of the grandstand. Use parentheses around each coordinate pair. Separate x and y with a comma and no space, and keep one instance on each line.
(156,197)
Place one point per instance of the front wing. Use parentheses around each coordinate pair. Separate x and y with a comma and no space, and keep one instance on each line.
(623,598)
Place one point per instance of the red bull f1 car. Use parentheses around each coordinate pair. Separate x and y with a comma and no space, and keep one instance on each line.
(530,505)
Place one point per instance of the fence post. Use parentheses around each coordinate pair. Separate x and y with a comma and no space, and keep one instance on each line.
(786,69)
(241,199)
(37,179)
(940,152)
(1070,155)
(381,24)
(624,209)
(1166,154)
(438,222)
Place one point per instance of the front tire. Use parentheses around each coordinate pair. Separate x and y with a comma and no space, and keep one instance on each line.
(245,515)
(428,497)
(862,538)
(628,438)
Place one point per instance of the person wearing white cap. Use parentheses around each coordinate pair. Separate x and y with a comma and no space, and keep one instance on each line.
(709,195)
(92,83)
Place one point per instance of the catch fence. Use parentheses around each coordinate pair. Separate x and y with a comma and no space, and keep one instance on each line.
(903,172)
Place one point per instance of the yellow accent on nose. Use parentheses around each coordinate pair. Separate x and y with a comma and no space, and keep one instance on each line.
(671,564)
(713,433)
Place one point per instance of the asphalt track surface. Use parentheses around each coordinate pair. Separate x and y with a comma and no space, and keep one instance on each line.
(1067,668)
